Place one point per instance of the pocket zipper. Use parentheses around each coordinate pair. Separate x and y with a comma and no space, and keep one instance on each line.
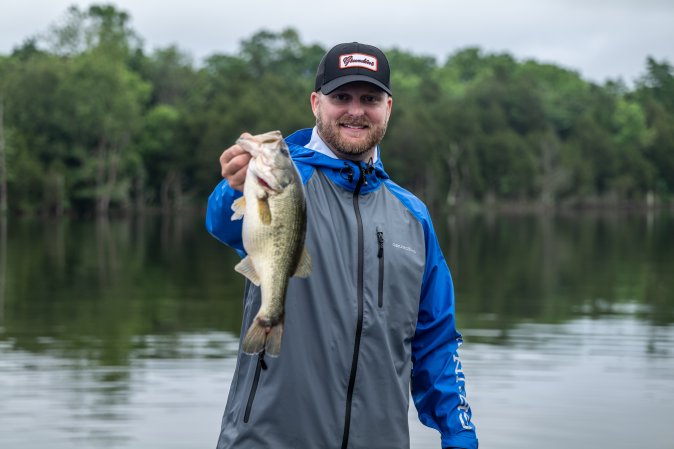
(261,365)
(380,255)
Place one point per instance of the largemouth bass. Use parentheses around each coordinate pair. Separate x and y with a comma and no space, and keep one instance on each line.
(274,215)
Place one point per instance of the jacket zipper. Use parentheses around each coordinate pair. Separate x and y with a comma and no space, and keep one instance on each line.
(359,323)
(261,364)
(380,256)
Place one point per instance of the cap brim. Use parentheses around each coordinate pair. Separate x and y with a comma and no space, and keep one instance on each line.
(342,80)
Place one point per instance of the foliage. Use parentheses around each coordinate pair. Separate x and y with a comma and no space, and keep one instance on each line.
(92,124)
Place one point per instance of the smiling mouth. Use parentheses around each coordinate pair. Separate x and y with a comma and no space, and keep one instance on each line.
(347,126)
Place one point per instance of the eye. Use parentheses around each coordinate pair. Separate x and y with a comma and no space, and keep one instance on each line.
(340,96)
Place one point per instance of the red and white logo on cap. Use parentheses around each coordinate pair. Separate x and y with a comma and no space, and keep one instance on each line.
(358,60)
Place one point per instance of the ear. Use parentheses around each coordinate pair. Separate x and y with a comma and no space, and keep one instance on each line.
(315,98)
(389,107)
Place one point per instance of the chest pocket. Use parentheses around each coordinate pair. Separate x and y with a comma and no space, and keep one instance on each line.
(381,271)
(397,271)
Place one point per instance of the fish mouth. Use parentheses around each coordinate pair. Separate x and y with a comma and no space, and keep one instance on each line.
(264,184)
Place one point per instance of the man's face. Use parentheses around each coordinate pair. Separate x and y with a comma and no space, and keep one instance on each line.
(352,119)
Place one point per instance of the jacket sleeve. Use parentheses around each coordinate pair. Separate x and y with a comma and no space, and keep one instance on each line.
(218,217)
(438,382)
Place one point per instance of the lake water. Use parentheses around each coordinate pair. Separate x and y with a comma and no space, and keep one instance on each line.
(122,334)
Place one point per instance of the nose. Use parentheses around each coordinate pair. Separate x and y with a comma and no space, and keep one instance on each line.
(356,108)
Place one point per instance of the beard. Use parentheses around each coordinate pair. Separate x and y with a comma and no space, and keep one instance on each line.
(329,132)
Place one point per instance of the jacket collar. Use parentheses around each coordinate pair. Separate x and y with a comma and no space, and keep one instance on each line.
(342,172)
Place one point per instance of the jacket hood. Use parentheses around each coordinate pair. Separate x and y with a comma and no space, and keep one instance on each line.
(342,172)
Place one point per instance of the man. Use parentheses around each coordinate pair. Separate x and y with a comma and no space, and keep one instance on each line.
(375,316)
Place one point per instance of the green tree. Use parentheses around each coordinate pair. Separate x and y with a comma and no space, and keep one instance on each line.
(655,92)
(162,163)
(3,160)
(631,137)
(31,115)
(101,101)
(92,123)
(101,104)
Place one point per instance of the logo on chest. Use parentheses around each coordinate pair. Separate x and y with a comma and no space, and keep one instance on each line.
(404,247)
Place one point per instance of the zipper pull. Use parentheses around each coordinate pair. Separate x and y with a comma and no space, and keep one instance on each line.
(260,359)
(369,169)
(363,173)
(380,240)
(348,171)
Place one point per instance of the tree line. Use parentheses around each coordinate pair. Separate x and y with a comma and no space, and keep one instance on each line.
(92,124)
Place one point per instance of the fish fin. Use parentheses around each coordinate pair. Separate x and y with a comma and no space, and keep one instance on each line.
(263,210)
(246,268)
(254,341)
(303,269)
(273,344)
(239,208)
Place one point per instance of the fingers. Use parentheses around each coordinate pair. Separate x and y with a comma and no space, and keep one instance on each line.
(234,164)
(229,155)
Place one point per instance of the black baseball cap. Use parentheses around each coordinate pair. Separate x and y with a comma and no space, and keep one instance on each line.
(353,61)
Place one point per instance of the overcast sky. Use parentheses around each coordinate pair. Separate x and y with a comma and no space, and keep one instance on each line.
(599,38)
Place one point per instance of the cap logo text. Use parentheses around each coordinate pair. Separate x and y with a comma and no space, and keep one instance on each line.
(358,60)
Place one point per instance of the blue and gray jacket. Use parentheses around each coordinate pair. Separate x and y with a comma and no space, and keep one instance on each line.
(375,316)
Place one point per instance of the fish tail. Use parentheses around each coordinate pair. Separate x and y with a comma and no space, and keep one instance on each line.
(273,344)
(254,341)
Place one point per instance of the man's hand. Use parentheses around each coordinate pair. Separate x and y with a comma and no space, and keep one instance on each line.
(234,164)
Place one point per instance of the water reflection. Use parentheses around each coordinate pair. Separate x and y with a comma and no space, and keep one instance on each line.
(583,383)
(122,333)
(170,395)
(94,287)
(550,268)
